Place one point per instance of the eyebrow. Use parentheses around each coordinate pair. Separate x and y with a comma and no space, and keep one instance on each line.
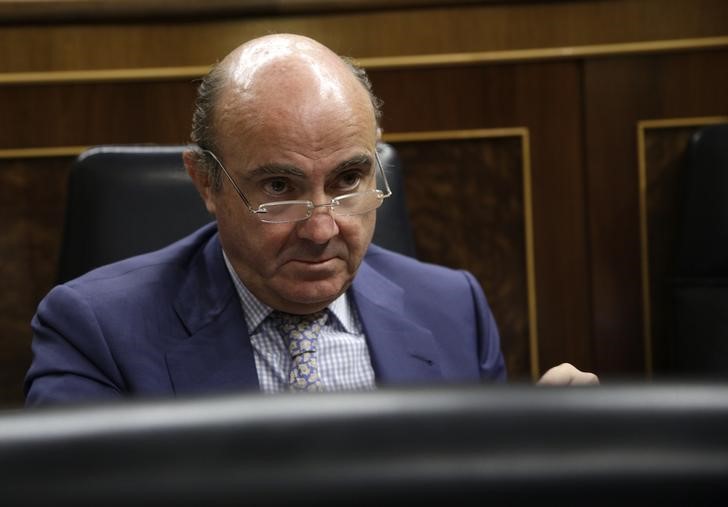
(358,160)
(275,169)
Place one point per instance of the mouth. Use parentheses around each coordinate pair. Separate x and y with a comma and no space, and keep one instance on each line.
(308,264)
(315,268)
(312,263)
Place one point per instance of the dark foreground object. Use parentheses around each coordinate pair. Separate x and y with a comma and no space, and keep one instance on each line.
(514,445)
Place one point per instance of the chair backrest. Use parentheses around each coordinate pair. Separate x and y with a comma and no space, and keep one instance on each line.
(393,230)
(703,245)
(699,340)
(125,200)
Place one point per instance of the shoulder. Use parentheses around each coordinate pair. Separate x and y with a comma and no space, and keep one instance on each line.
(403,269)
(448,303)
(148,273)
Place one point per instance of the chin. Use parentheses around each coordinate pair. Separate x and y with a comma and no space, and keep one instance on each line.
(314,293)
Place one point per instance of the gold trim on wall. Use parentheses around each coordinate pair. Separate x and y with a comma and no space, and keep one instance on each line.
(57,151)
(448,135)
(104,75)
(555,53)
(642,126)
(523,133)
(385,62)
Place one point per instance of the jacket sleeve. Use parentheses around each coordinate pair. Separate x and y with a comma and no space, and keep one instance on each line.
(71,358)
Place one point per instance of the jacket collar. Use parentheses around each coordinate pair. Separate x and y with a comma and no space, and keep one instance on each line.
(207,289)
(217,354)
(402,351)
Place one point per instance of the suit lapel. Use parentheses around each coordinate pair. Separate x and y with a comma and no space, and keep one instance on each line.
(402,351)
(217,355)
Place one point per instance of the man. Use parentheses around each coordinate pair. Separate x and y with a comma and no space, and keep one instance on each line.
(286,135)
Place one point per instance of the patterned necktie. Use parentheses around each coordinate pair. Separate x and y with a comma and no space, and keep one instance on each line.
(301,333)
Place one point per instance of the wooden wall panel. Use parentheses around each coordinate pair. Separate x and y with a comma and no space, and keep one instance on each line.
(544,98)
(32,200)
(468,210)
(96,113)
(493,26)
(620,92)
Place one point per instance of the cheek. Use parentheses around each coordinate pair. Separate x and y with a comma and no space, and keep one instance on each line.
(252,243)
(358,234)
(261,243)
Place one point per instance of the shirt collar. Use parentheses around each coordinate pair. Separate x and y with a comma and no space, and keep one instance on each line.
(255,311)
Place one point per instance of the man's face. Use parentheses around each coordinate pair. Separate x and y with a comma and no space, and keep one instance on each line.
(315,150)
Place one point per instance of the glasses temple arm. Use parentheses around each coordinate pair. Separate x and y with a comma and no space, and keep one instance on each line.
(384,175)
(231,180)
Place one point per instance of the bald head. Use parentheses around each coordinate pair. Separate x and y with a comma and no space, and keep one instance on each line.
(272,72)
(279,58)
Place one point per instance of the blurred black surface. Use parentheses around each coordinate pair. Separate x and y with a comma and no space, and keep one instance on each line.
(458,445)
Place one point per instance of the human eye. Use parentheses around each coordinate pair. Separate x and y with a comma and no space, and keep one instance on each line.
(348,181)
(277,187)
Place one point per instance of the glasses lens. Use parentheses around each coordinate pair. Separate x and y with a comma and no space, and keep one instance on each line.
(284,211)
(295,211)
(357,203)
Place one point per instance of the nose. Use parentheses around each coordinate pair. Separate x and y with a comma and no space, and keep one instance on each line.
(320,228)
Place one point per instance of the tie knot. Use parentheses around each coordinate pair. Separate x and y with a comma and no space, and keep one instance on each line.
(300,332)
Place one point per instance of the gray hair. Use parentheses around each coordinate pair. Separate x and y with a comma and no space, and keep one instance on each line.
(208,92)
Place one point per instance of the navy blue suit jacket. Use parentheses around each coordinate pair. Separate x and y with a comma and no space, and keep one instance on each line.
(170,323)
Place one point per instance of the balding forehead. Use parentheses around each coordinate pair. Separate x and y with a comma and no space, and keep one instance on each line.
(249,61)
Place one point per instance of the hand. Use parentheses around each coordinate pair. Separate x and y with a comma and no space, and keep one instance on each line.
(566,374)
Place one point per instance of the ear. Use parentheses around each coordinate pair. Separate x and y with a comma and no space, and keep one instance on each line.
(201,178)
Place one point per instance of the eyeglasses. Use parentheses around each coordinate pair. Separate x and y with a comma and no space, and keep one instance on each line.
(281,212)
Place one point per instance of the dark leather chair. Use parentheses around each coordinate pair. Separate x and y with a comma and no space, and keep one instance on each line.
(393,226)
(125,200)
(699,345)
